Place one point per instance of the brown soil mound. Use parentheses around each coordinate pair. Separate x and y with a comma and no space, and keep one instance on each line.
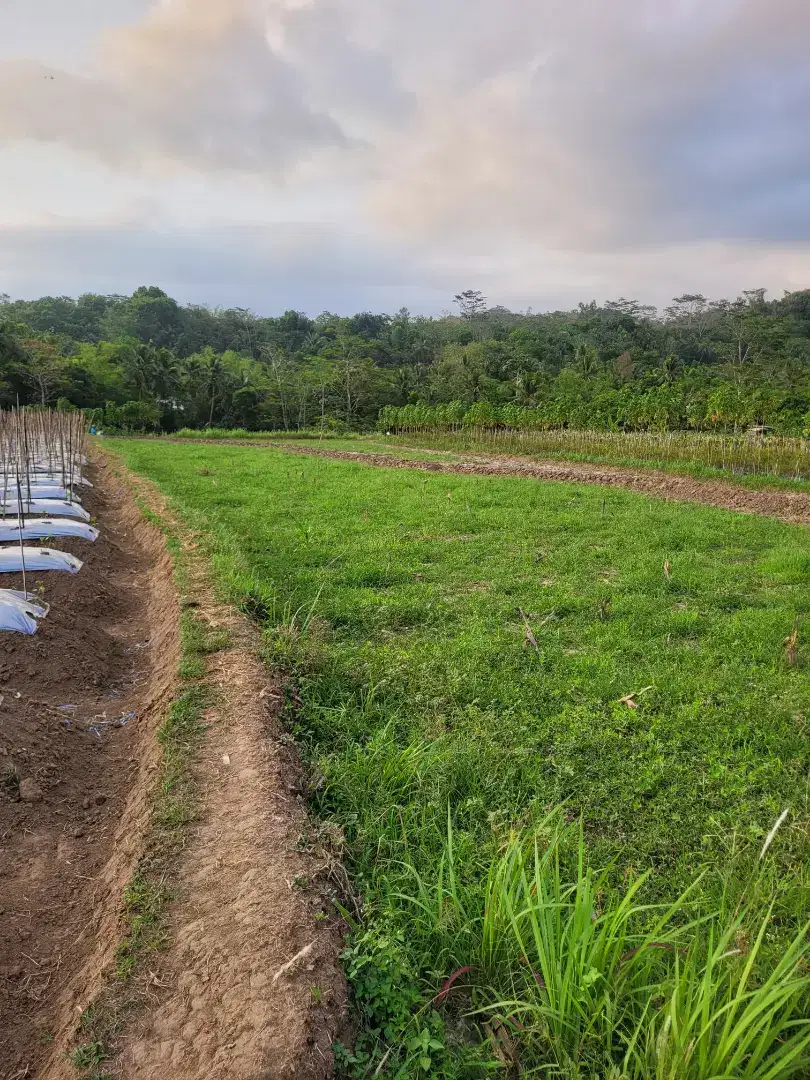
(250,986)
(788,506)
(80,700)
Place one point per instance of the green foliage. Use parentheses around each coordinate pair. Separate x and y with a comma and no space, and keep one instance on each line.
(144,905)
(713,366)
(132,416)
(86,1059)
(393,610)
(584,977)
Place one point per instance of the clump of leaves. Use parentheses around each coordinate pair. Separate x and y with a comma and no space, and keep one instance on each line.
(87,1055)
(10,779)
(397,1038)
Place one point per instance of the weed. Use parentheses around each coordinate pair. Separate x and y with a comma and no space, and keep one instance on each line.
(10,779)
(199,640)
(87,1055)
(144,903)
(589,978)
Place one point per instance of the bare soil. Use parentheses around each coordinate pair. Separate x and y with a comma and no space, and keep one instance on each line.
(80,701)
(790,506)
(250,986)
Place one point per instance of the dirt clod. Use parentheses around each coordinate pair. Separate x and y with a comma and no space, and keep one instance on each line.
(30,791)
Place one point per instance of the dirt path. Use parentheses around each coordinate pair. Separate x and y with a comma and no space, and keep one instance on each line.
(251,984)
(251,884)
(107,651)
(793,507)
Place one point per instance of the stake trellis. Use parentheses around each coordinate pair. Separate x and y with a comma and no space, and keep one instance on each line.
(42,456)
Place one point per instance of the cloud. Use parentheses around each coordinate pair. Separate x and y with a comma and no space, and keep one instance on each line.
(193,84)
(272,267)
(597,125)
(476,135)
(269,268)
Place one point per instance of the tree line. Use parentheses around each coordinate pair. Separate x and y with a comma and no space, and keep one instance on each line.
(146,363)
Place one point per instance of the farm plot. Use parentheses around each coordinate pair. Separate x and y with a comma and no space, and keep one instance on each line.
(467,654)
(79,702)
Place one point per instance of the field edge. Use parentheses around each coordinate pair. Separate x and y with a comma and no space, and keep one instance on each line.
(227,714)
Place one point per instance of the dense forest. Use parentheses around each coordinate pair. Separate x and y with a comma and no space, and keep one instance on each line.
(146,363)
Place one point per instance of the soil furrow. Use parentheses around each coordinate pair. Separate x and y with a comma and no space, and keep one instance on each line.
(251,888)
(79,704)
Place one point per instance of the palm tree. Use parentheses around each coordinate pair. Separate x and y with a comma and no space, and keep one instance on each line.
(214,378)
(526,386)
(312,343)
(669,368)
(210,376)
(586,359)
(166,374)
(138,362)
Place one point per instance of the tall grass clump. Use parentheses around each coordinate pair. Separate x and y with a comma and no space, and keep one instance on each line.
(256,436)
(567,975)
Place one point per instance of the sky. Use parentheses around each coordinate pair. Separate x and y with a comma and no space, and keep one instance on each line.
(350,155)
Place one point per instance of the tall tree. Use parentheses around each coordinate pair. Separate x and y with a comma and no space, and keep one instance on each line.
(471,303)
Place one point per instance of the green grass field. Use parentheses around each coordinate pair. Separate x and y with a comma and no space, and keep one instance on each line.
(444,738)
(697,456)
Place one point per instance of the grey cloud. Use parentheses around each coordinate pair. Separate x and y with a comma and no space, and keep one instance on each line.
(625,127)
(269,268)
(582,125)
(192,84)
(316,268)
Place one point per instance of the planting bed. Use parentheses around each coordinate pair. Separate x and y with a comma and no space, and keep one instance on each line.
(72,776)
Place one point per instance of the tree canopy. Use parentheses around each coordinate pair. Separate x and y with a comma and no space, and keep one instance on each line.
(699,364)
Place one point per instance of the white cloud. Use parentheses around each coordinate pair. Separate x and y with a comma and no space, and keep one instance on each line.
(192,84)
(551,148)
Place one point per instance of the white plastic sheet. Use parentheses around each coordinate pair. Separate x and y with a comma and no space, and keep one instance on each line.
(39,491)
(47,476)
(37,558)
(16,619)
(48,507)
(19,613)
(30,601)
(38,528)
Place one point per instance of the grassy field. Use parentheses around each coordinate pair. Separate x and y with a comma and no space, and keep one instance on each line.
(697,453)
(475,666)
(773,465)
